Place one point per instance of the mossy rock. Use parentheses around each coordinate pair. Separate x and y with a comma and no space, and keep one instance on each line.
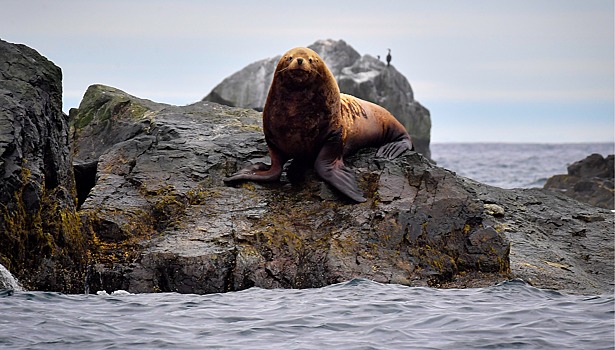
(102,103)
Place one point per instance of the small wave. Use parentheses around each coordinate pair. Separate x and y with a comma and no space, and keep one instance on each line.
(114,293)
(6,292)
(7,281)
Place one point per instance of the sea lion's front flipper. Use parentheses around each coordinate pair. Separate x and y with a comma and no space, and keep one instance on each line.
(330,166)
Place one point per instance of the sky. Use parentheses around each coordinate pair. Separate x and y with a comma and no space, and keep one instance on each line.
(488,70)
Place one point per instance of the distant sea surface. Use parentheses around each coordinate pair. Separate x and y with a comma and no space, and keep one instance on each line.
(510,165)
(357,314)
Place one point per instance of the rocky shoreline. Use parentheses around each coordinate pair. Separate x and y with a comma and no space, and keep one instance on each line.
(145,208)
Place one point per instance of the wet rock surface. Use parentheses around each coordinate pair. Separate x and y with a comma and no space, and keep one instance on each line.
(40,234)
(556,242)
(590,180)
(165,221)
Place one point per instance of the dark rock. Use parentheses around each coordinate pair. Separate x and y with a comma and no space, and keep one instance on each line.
(40,234)
(594,165)
(165,221)
(590,180)
(362,76)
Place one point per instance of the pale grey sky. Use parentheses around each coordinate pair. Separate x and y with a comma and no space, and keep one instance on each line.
(489,71)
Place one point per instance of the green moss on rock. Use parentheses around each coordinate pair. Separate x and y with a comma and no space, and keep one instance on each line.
(103,103)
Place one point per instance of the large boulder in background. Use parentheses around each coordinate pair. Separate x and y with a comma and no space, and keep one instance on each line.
(362,76)
(590,180)
(40,233)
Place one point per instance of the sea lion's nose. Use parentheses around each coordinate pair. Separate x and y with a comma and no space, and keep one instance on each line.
(299,61)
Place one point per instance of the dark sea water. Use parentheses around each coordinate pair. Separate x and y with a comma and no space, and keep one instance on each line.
(357,314)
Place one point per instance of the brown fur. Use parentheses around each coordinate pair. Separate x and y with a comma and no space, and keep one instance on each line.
(306,117)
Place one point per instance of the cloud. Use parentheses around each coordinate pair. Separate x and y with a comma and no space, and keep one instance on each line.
(442,90)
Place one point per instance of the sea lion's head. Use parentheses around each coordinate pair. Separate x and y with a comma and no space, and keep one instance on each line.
(301,66)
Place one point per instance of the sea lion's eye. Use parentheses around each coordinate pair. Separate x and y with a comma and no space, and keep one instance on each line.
(290,58)
(310,59)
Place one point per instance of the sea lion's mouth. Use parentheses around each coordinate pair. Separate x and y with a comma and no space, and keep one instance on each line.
(299,74)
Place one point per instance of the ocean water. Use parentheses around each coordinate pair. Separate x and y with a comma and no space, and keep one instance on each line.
(509,165)
(357,314)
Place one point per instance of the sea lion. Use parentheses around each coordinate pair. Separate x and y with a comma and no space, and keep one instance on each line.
(305,117)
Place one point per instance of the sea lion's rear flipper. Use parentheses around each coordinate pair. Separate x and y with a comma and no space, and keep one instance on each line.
(330,166)
(257,171)
(261,171)
(393,149)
